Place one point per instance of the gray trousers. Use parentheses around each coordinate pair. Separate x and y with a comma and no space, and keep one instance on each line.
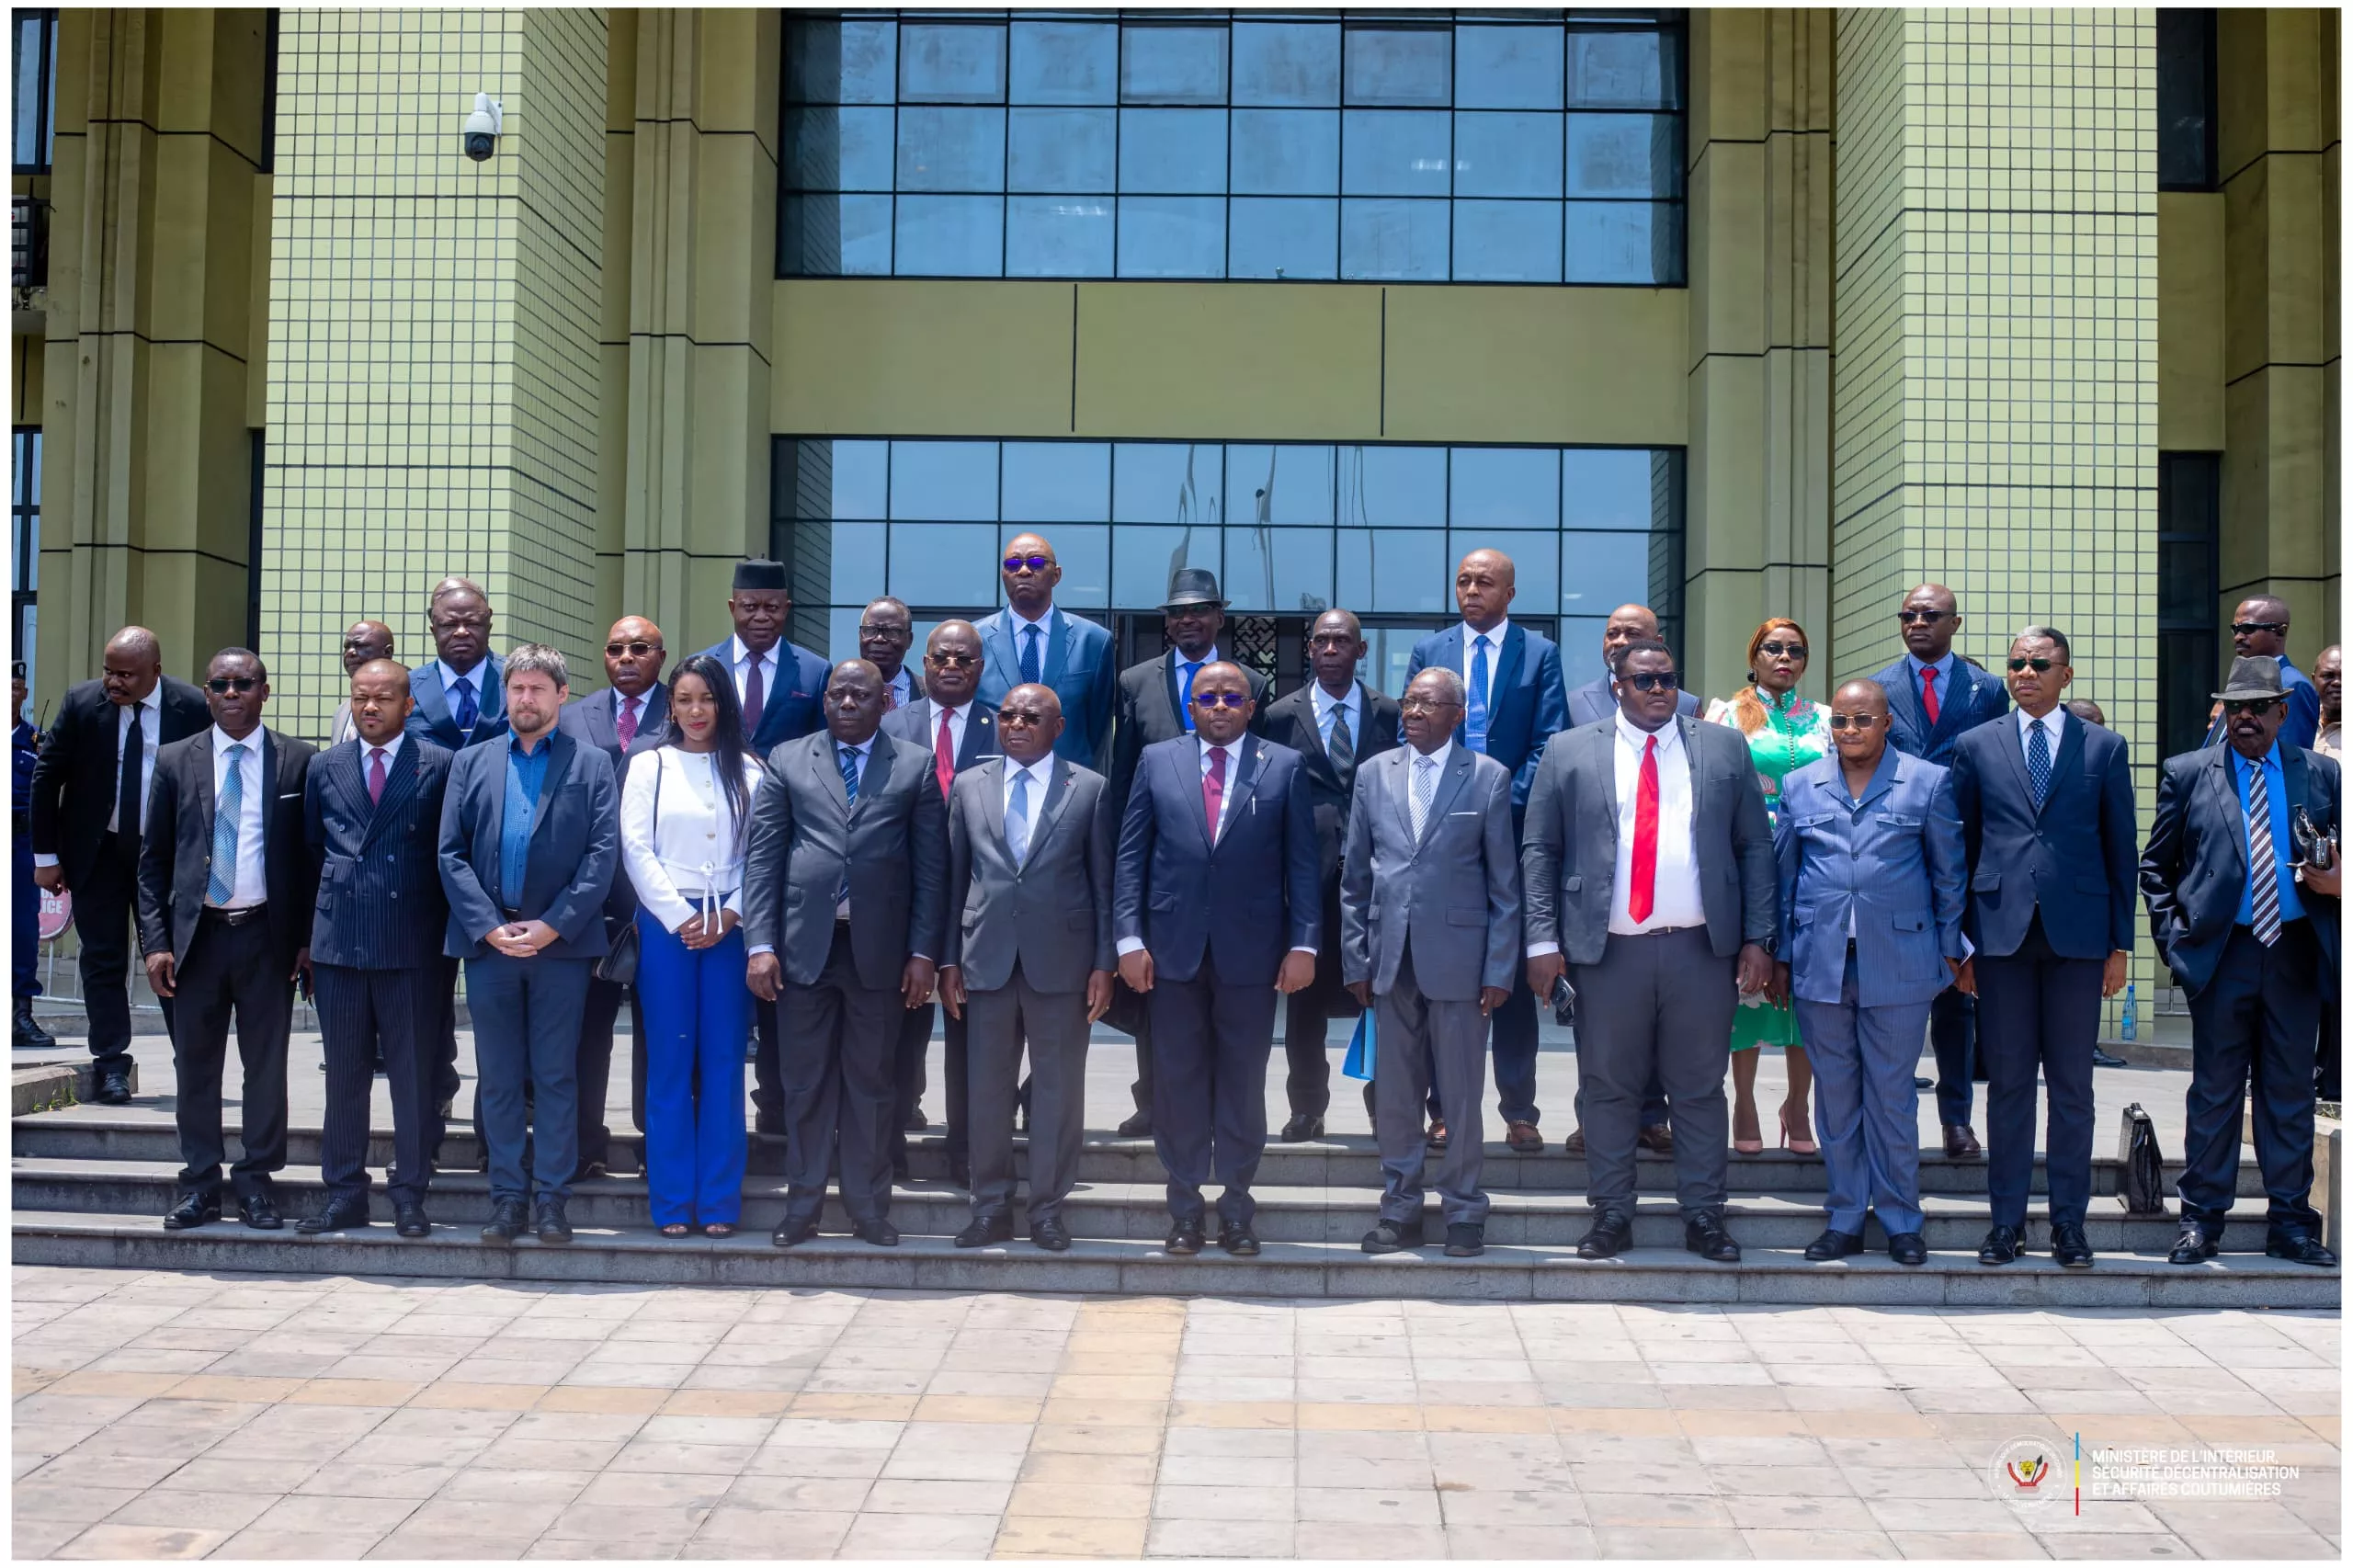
(1413,1036)
(835,1060)
(1658,1004)
(1056,1022)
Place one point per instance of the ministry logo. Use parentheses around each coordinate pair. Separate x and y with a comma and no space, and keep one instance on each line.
(2031,1472)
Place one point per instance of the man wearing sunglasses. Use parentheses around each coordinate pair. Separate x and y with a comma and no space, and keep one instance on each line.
(1031,640)
(227,889)
(2259,630)
(2046,804)
(2248,922)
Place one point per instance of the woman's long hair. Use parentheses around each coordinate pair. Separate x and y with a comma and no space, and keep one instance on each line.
(1746,710)
(727,748)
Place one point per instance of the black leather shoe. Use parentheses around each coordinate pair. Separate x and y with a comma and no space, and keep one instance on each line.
(2299,1249)
(1050,1233)
(899,1172)
(1705,1234)
(347,1213)
(793,1233)
(1301,1130)
(552,1227)
(507,1222)
(960,1172)
(2194,1246)
(875,1233)
(29,1035)
(1392,1235)
(1832,1246)
(409,1221)
(1908,1248)
(114,1088)
(1137,1126)
(1610,1237)
(916,1120)
(1238,1241)
(260,1212)
(992,1231)
(1185,1239)
(2069,1247)
(2102,1059)
(590,1170)
(2000,1246)
(1465,1241)
(195,1209)
(768,1123)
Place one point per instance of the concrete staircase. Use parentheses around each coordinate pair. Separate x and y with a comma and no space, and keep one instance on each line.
(91,1185)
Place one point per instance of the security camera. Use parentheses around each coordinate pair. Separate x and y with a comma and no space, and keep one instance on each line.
(482,128)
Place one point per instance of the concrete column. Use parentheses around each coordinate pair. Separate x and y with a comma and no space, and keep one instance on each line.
(701,286)
(434,405)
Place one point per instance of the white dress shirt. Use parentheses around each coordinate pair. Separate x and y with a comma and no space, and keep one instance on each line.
(253,879)
(1674,886)
(151,732)
(1414,761)
(1040,773)
(1470,635)
(391,750)
(1326,705)
(2054,730)
(693,847)
(899,688)
(1233,753)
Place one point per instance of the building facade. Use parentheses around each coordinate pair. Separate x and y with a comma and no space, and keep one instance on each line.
(1737,312)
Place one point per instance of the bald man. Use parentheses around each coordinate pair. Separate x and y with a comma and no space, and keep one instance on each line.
(1596,699)
(364,641)
(2260,630)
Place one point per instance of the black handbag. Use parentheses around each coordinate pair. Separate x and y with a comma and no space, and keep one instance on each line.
(2143,1181)
(619,966)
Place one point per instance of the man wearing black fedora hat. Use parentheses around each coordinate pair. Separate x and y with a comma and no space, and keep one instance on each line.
(2245,914)
(1150,707)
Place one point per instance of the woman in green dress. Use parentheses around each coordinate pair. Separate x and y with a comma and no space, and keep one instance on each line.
(1785,732)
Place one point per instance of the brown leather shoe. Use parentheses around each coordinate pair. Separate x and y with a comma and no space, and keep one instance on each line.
(1574,1144)
(1658,1139)
(1521,1138)
(1961,1143)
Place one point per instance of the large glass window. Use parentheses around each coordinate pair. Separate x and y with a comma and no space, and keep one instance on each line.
(2185,159)
(2189,609)
(1293,146)
(36,88)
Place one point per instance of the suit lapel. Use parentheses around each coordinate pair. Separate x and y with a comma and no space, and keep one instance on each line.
(1190,785)
(1605,759)
(1049,811)
(1450,785)
(2070,759)
(202,753)
(1507,670)
(2221,779)
(559,764)
(270,755)
(2013,750)
(1905,702)
(605,719)
(1882,778)
(826,758)
(1058,640)
(400,782)
(873,775)
(435,702)
(979,738)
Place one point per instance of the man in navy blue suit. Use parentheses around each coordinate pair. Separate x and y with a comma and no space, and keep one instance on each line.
(2259,630)
(1031,642)
(2046,807)
(1215,907)
(1933,698)
(372,811)
(461,696)
(1516,703)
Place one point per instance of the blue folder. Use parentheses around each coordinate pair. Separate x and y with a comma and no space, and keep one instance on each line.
(1361,1048)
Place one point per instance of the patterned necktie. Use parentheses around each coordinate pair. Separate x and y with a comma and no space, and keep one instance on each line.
(943,757)
(755,696)
(133,770)
(1424,785)
(1185,694)
(2038,760)
(1474,720)
(1213,789)
(227,815)
(1928,704)
(466,710)
(1642,889)
(625,726)
(1031,670)
(1342,747)
(1017,817)
(375,775)
(846,758)
(2263,867)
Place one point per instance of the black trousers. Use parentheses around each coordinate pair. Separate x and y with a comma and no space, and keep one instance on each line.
(910,1078)
(2257,1017)
(233,973)
(2329,1082)
(597,1016)
(1952,1034)
(365,1013)
(2038,1012)
(105,903)
(840,1041)
(1307,1019)
(768,1071)
(1208,1109)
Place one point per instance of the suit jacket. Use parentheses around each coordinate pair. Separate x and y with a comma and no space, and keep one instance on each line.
(2302,726)
(918,721)
(593,719)
(1452,894)
(1527,703)
(1569,849)
(1291,721)
(1594,701)
(2195,865)
(1894,866)
(74,782)
(2074,859)
(1244,901)
(379,903)
(893,842)
(1977,696)
(790,706)
(1148,714)
(1049,915)
(1077,664)
(431,719)
(575,855)
(340,728)
(176,856)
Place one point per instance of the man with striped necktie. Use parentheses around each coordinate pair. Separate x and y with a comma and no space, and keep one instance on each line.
(2247,917)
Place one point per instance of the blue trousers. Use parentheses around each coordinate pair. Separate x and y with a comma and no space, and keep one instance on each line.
(698,1016)
(1866,1111)
(527,1029)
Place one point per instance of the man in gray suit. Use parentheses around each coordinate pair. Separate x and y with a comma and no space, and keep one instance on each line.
(842,910)
(1429,933)
(1028,947)
(364,642)
(1648,871)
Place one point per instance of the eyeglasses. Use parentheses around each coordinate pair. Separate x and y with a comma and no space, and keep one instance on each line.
(1033,562)
(1652,680)
(1922,617)
(1220,699)
(1853,721)
(224,684)
(2254,707)
(891,633)
(1794,649)
(634,650)
(2039,666)
(2244,628)
(951,661)
(1424,705)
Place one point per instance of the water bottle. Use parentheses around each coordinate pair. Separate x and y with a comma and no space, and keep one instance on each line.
(2131,1022)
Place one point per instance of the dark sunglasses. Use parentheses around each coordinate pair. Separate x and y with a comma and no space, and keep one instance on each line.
(2039,666)
(1923,616)
(224,684)
(1652,680)
(2255,707)
(1853,721)
(895,633)
(2243,627)
(1220,699)
(1794,649)
(634,650)
(1034,562)
(951,661)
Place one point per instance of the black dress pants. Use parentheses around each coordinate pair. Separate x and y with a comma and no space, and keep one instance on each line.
(598,1017)
(104,902)
(233,973)
(1952,1034)
(2258,1016)
(2038,1012)
(364,1014)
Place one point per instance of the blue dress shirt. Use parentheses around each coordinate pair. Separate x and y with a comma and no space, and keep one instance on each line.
(2283,848)
(526,771)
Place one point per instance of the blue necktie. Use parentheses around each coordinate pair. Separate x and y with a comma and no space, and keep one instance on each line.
(1032,671)
(1185,696)
(1017,818)
(846,758)
(1474,723)
(2038,760)
(227,814)
(466,712)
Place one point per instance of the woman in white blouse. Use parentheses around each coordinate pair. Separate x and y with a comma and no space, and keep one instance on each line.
(684,814)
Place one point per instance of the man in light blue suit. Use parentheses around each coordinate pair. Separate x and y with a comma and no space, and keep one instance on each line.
(1030,642)
(461,696)
(1872,879)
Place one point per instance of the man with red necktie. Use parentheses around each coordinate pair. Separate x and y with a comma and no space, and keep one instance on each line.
(1649,881)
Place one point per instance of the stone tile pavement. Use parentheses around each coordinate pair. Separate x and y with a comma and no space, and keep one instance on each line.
(164,1414)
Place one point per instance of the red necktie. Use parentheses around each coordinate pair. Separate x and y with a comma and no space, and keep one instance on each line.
(943,765)
(376,775)
(626,725)
(755,698)
(1928,693)
(1213,789)
(1643,885)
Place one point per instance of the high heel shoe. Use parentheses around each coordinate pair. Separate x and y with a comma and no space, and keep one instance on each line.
(1747,1145)
(1794,1142)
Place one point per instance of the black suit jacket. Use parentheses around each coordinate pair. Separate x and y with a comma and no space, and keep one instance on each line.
(2194,870)
(1291,721)
(176,856)
(1145,713)
(74,782)
(2073,859)
(592,719)
(381,904)
(920,722)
